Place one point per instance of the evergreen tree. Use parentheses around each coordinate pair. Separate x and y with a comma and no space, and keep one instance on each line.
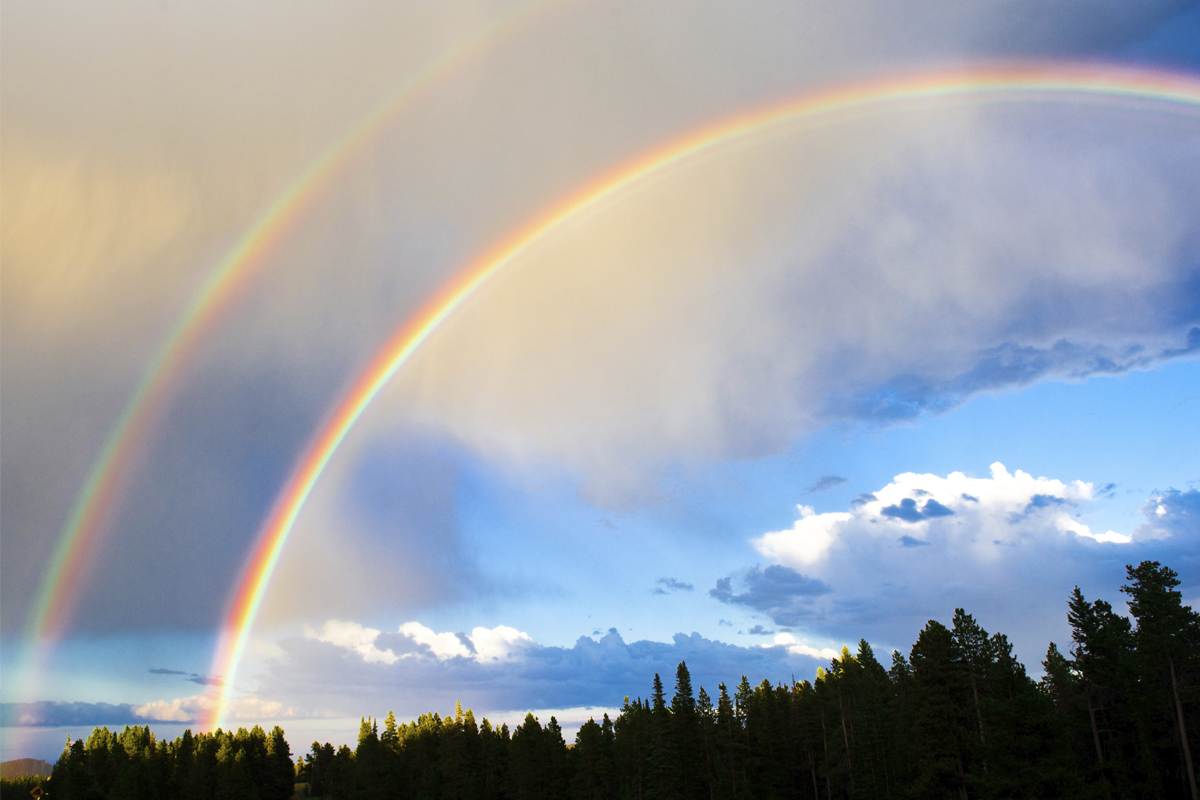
(1167,639)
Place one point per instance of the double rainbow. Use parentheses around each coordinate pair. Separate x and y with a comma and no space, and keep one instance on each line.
(78,538)
(1048,82)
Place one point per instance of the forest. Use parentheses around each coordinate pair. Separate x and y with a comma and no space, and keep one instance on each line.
(959,718)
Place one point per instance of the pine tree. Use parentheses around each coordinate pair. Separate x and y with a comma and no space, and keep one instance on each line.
(1167,639)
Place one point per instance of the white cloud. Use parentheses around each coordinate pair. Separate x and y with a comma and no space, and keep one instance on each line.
(1007,547)
(796,647)
(483,645)
(442,645)
(189,709)
(499,643)
(353,636)
(916,509)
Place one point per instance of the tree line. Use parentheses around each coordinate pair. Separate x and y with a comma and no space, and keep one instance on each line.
(957,718)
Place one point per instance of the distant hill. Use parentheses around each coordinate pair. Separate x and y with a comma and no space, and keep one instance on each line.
(25,766)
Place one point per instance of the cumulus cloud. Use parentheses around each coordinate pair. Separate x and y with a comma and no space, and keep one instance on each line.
(413,639)
(191,709)
(517,674)
(1170,513)
(1008,547)
(916,509)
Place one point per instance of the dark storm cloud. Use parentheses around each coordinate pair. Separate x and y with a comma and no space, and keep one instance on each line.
(824,483)
(778,591)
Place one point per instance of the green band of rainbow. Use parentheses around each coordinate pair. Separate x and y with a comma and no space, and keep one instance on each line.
(1047,81)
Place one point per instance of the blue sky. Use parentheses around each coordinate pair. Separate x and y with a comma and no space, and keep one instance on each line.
(822,387)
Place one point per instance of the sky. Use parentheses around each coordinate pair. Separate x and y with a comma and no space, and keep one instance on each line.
(769,351)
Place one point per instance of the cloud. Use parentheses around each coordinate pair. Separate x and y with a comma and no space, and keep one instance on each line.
(118,205)
(55,714)
(194,677)
(192,709)
(907,510)
(414,639)
(1010,552)
(981,508)
(673,585)
(759,630)
(338,679)
(185,709)
(825,483)
(781,592)
(793,645)
(1172,513)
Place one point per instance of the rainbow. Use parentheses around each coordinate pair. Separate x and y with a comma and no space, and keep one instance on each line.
(1013,83)
(78,538)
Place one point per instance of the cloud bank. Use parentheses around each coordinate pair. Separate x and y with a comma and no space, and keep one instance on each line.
(346,669)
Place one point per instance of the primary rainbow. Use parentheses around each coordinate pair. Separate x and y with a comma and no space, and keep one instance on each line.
(1046,81)
(77,539)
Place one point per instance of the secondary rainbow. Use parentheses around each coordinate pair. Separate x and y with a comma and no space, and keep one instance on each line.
(77,539)
(240,264)
(1013,83)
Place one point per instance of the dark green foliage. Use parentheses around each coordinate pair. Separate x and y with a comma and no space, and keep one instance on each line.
(959,718)
(18,788)
(133,764)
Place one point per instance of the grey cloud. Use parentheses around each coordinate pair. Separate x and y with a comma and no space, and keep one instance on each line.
(206,680)
(400,222)
(1008,365)
(56,714)
(907,510)
(589,673)
(673,585)
(862,498)
(825,483)
(778,591)
(1170,514)
(908,541)
(193,677)
(759,630)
